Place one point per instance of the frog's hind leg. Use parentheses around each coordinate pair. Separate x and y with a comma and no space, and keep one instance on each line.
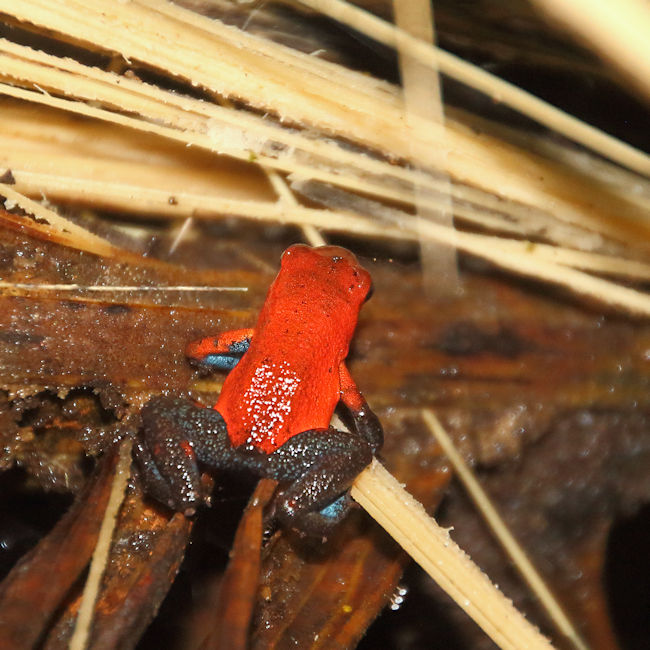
(176,435)
(154,483)
(321,465)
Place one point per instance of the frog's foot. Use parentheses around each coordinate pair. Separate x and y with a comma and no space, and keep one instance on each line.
(322,464)
(171,445)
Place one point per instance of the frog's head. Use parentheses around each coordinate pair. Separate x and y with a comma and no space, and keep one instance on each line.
(331,265)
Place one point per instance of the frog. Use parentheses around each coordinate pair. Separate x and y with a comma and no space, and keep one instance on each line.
(272,419)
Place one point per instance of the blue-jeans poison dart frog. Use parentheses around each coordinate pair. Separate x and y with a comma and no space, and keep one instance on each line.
(272,418)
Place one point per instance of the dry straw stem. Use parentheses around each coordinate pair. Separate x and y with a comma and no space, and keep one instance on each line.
(116,171)
(83,624)
(108,167)
(496,88)
(300,89)
(305,158)
(36,146)
(433,549)
(519,257)
(287,198)
(423,99)
(238,136)
(502,533)
(619,31)
(604,264)
(110,288)
(524,262)
(49,224)
(210,54)
(516,256)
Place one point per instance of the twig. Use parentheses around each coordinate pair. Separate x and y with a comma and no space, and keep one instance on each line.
(182,232)
(55,226)
(503,534)
(433,549)
(619,31)
(286,197)
(496,88)
(423,101)
(370,114)
(517,257)
(79,639)
(525,263)
(33,286)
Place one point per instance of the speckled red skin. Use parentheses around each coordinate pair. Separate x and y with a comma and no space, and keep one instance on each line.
(289,379)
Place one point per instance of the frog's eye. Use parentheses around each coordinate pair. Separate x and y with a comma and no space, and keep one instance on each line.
(294,250)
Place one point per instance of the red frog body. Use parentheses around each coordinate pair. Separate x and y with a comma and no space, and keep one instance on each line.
(272,418)
(288,380)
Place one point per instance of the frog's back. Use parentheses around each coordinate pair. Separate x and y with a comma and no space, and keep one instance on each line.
(288,380)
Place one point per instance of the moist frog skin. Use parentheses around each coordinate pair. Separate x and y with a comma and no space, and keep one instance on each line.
(272,417)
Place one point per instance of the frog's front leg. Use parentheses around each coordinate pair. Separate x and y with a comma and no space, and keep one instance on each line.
(366,423)
(177,435)
(221,352)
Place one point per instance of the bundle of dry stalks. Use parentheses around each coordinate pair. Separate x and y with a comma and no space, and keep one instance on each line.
(299,110)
